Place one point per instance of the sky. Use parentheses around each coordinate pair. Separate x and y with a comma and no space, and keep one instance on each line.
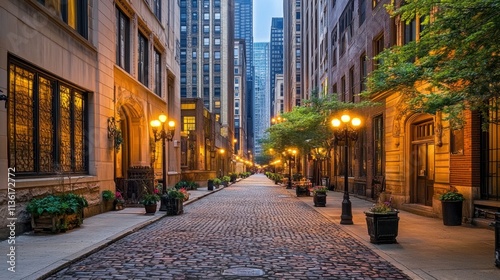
(263,11)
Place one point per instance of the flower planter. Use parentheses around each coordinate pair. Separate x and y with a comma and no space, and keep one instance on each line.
(118,205)
(210,185)
(382,227)
(56,223)
(174,206)
(150,209)
(452,212)
(300,191)
(319,199)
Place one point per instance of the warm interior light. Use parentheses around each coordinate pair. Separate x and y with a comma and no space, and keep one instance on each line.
(345,118)
(356,122)
(221,151)
(162,118)
(155,123)
(336,122)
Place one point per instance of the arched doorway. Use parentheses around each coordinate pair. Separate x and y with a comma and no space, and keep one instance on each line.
(422,166)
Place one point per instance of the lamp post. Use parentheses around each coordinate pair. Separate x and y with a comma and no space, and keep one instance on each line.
(163,135)
(346,133)
(221,152)
(291,153)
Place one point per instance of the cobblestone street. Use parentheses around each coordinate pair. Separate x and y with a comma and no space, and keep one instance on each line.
(252,224)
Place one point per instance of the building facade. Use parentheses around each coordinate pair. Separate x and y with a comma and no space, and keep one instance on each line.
(79,109)
(279,95)
(240,142)
(275,56)
(292,65)
(243,29)
(262,114)
(207,60)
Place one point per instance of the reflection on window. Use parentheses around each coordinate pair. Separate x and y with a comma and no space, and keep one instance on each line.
(72,12)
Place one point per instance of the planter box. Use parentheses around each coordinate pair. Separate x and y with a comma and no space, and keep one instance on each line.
(452,212)
(382,227)
(300,191)
(174,206)
(56,223)
(319,199)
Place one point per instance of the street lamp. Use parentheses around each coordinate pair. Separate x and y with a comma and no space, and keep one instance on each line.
(291,153)
(346,133)
(163,135)
(221,152)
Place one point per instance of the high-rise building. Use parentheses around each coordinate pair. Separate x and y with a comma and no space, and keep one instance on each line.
(292,54)
(206,55)
(276,55)
(243,29)
(262,113)
(240,143)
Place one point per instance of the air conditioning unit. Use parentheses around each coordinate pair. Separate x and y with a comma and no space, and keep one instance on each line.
(177,143)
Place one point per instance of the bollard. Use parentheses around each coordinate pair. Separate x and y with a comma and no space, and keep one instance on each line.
(497,239)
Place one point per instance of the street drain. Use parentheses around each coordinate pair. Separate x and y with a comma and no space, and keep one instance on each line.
(243,271)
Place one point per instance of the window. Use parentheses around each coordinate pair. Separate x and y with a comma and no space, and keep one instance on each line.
(378,47)
(157,58)
(217,29)
(217,41)
(72,12)
(183,29)
(194,41)
(206,68)
(351,83)
(194,16)
(217,16)
(206,41)
(206,79)
(188,123)
(217,80)
(217,54)
(363,72)
(194,79)
(206,16)
(143,60)
(194,28)
(216,92)
(206,28)
(193,55)
(362,11)
(217,68)
(342,89)
(122,40)
(206,55)
(410,31)
(457,142)
(47,123)
(378,145)
(217,104)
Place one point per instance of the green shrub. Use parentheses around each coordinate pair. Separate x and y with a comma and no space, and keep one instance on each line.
(69,203)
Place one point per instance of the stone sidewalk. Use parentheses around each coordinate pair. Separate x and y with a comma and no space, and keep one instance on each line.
(42,254)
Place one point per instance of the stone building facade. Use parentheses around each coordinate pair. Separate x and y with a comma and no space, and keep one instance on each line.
(80,78)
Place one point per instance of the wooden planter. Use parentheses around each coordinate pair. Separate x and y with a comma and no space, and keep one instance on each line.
(56,223)
(319,199)
(382,227)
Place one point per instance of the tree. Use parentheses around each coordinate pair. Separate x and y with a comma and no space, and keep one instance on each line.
(454,66)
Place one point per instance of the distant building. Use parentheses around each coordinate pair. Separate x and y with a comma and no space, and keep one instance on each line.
(292,54)
(243,29)
(262,114)
(279,97)
(275,56)
(207,60)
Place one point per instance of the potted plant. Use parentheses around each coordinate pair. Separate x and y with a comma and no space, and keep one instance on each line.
(210,184)
(217,182)
(225,180)
(107,196)
(382,222)
(56,213)
(149,200)
(119,202)
(319,196)
(173,200)
(451,203)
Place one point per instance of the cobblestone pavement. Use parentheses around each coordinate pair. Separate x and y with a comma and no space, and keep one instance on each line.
(250,230)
